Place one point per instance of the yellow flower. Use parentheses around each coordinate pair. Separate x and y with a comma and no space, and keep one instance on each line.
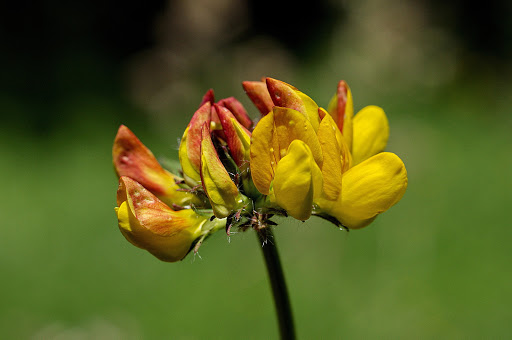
(150,224)
(300,160)
(273,156)
(329,164)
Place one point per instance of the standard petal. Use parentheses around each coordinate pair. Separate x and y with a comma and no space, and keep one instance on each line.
(222,192)
(289,125)
(263,161)
(285,95)
(369,189)
(297,180)
(271,139)
(150,224)
(133,159)
(371,133)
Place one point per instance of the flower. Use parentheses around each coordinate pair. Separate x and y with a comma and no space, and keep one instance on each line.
(330,164)
(154,211)
(300,160)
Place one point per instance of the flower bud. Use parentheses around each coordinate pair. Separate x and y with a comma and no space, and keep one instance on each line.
(133,159)
(238,111)
(341,108)
(190,146)
(258,93)
(237,137)
(150,224)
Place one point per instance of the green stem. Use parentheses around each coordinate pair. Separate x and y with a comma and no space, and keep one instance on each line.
(278,284)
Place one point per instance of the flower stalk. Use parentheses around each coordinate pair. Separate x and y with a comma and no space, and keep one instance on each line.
(282,304)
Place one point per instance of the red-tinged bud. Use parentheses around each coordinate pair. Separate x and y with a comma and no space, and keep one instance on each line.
(190,147)
(238,110)
(341,109)
(237,137)
(208,97)
(258,93)
(342,96)
(150,224)
(133,159)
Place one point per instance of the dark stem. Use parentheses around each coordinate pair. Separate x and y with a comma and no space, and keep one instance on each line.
(275,274)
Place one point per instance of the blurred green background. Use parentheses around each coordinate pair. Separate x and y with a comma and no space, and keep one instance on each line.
(437,265)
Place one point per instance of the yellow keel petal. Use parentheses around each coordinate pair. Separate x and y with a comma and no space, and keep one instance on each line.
(297,181)
(333,161)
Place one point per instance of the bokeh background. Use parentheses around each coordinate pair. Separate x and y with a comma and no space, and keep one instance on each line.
(437,265)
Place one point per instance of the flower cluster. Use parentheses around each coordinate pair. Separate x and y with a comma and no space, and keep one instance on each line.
(298,160)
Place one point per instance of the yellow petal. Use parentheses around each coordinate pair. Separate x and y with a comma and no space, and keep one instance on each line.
(297,180)
(222,192)
(371,133)
(369,189)
(262,154)
(150,224)
(332,159)
(133,159)
(289,125)
(271,138)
